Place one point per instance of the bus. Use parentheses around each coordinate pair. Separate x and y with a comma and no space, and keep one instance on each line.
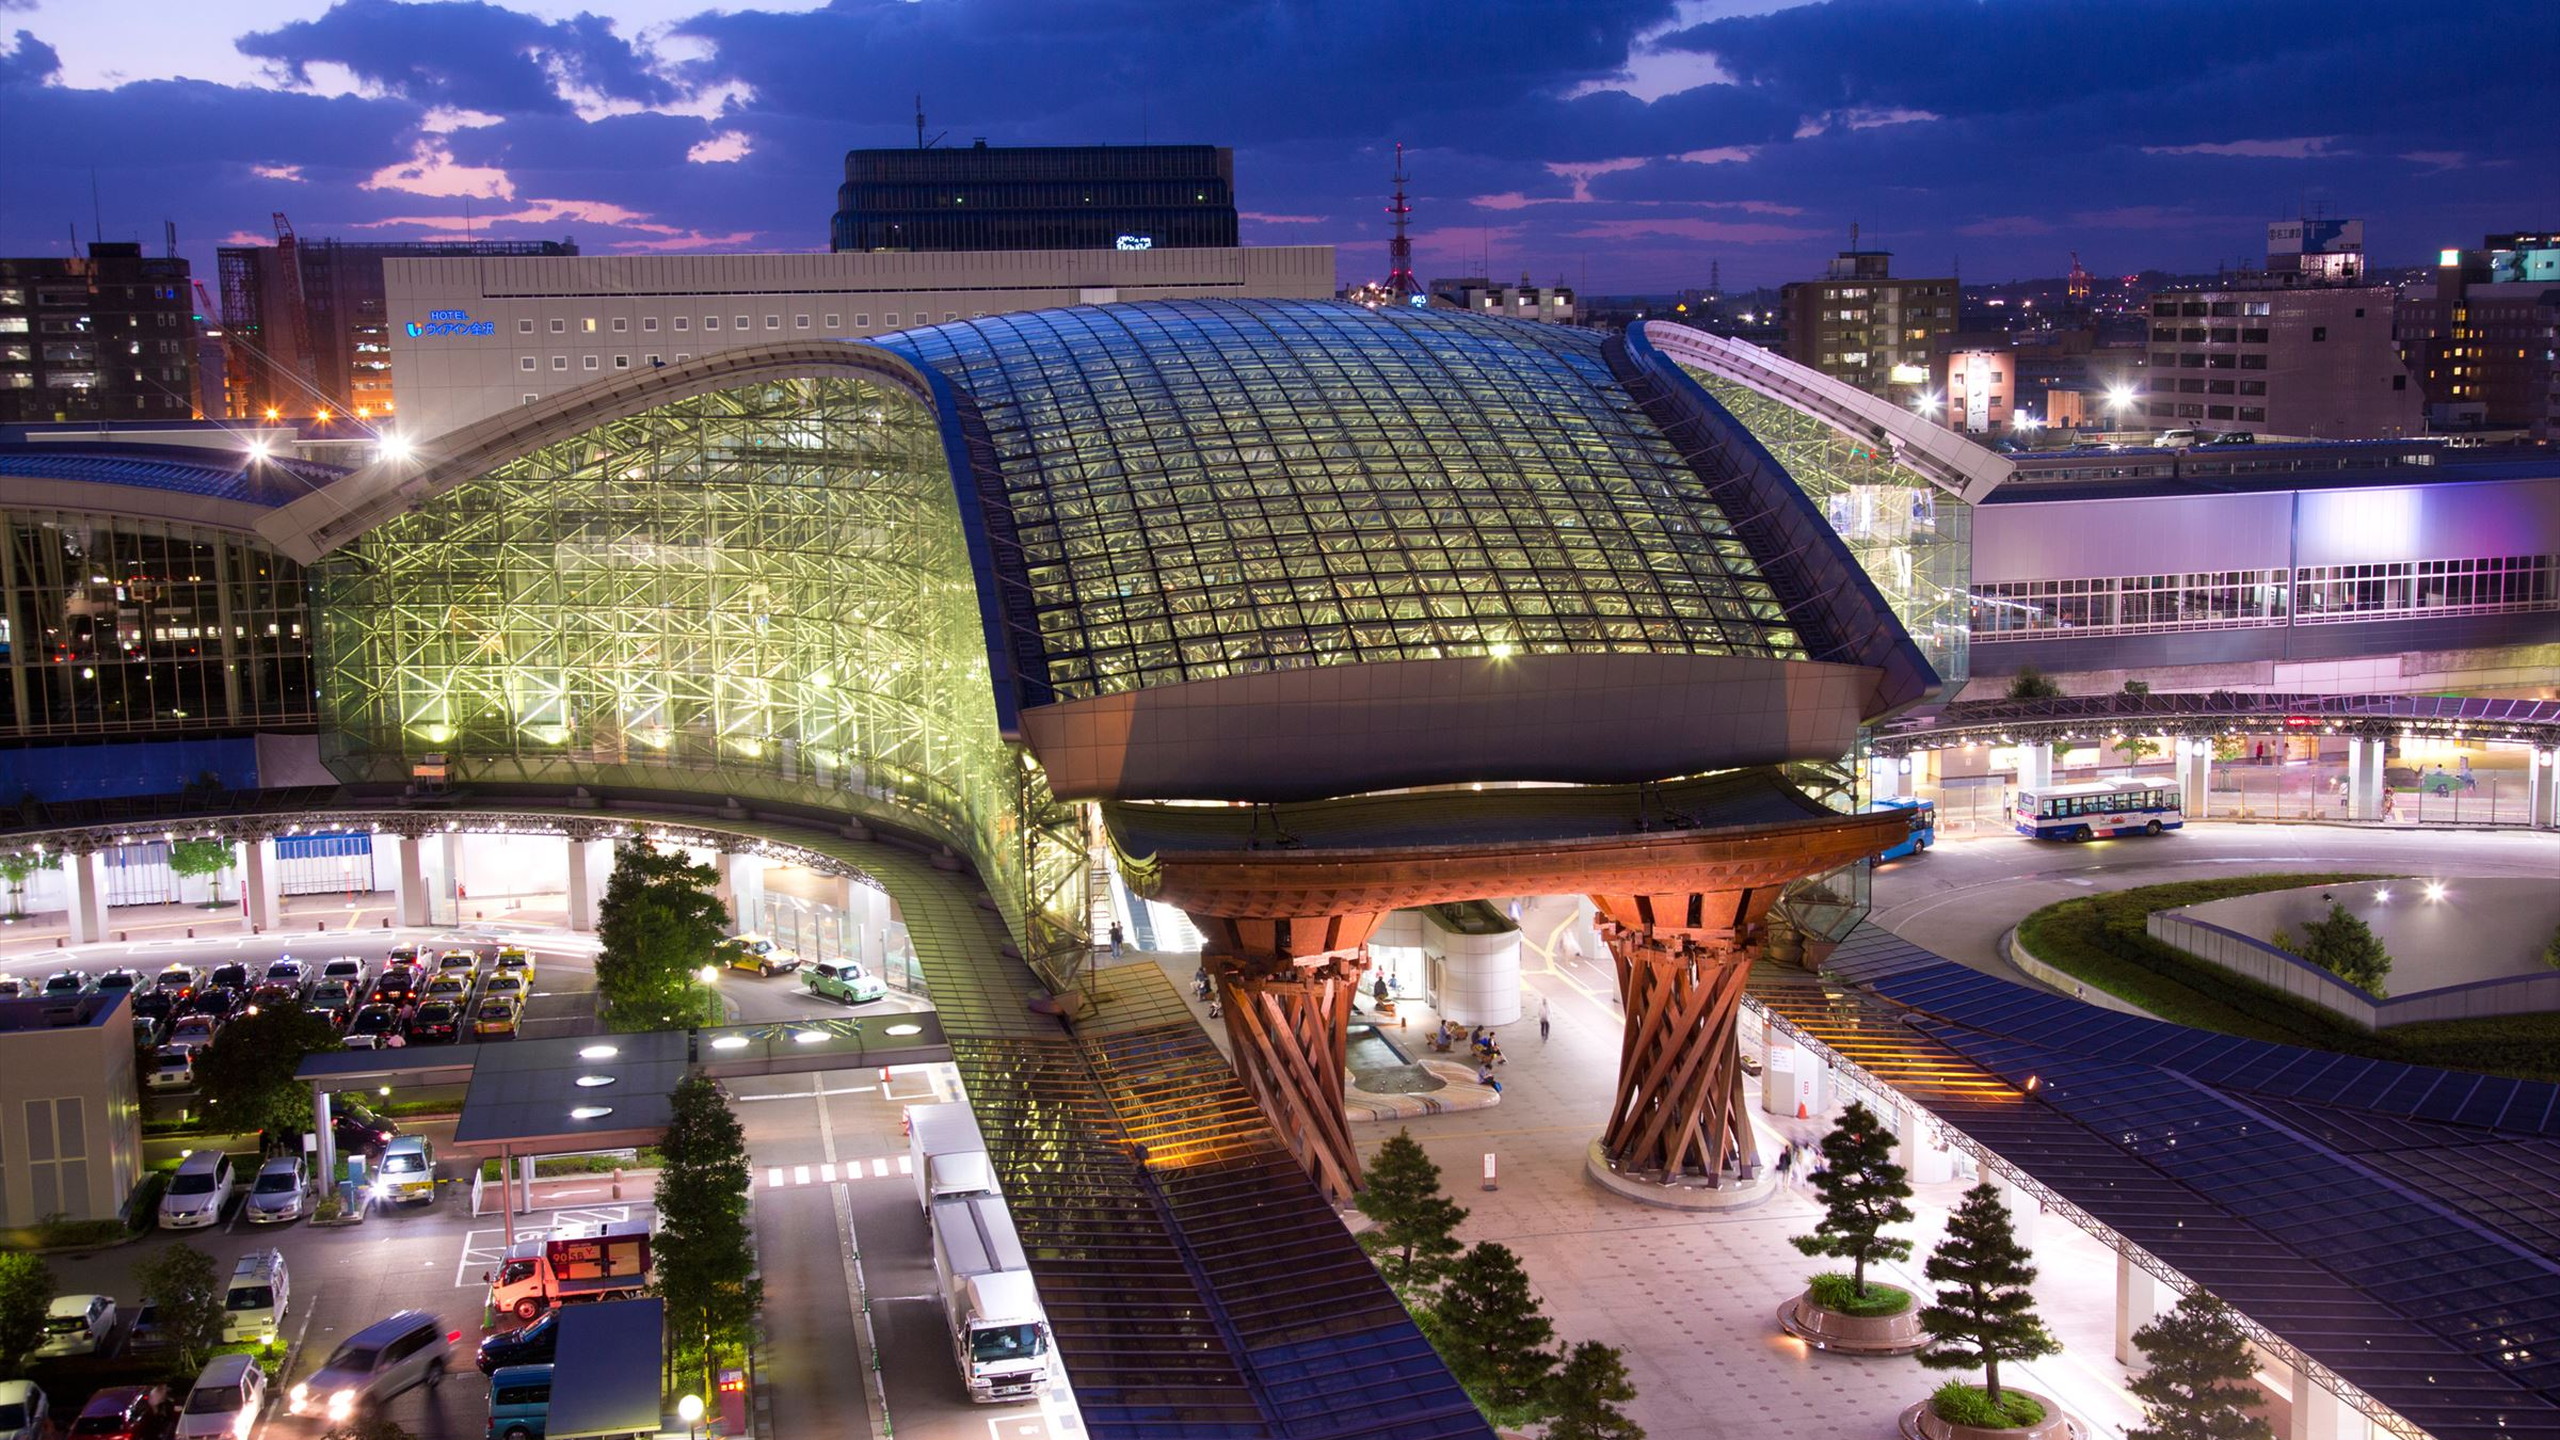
(2087,809)
(1924,826)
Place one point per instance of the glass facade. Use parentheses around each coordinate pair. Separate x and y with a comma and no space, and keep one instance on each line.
(113,625)
(761,591)
(1208,488)
(1914,540)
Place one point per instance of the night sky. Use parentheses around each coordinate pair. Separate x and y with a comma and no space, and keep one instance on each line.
(1622,144)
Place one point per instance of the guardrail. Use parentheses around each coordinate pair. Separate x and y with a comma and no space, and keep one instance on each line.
(2254,959)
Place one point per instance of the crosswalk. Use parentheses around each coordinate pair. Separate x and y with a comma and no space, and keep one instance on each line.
(878,1167)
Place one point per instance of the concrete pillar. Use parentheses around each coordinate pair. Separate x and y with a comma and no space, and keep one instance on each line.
(2195,776)
(866,921)
(1923,1161)
(321,1126)
(409,879)
(87,873)
(2542,790)
(1480,980)
(589,862)
(2318,1413)
(1889,777)
(2026,1212)
(2137,1304)
(2035,765)
(741,888)
(450,884)
(1794,1082)
(261,884)
(2364,778)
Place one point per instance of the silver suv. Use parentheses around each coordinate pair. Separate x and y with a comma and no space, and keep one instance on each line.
(376,1363)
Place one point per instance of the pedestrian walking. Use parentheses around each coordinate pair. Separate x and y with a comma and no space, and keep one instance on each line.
(1787,1164)
(1379,990)
(1115,939)
(1546,1015)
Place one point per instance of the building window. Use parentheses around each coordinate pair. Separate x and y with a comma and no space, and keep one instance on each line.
(2253,362)
(771,322)
(559,327)
(2217,412)
(2190,412)
(681,358)
(2191,361)
(682,322)
(2253,337)
(835,322)
(620,324)
(710,322)
(524,327)
(2164,412)
(861,322)
(559,362)
(2253,387)
(2222,362)
(2219,387)
(890,319)
(527,363)
(654,361)
(649,323)
(950,315)
(58,1156)
(2399,382)
(2190,387)
(2319,332)
(588,325)
(746,323)
(529,399)
(621,362)
(592,363)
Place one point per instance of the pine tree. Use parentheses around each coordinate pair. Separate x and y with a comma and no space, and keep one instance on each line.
(657,925)
(1487,1326)
(1862,1192)
(1416,1236)
(705,1262)
(2198,1385)
(1583,1399)
(2342,944)
(1985,1313)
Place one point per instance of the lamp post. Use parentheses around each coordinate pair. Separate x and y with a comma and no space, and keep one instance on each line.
(689,1411)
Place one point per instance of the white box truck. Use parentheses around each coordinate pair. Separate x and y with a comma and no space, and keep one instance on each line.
(949,1156)
(998,1331)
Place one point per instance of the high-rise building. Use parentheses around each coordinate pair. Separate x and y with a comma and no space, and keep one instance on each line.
(2316,252)
(1047,197)
(304,324)
(2486,343)
(1862,325)
(105,336)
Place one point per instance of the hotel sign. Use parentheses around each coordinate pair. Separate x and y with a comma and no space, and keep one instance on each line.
(451,322)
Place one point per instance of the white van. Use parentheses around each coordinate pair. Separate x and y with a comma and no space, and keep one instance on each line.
(203,1188)
(261,1289)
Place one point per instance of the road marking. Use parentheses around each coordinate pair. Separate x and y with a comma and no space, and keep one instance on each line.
(799,1174)
(875,1394)
(879,1166)
(773,1176)
(906,1164)
(827,1172)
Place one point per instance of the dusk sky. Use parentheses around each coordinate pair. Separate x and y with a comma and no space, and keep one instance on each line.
(1626,142)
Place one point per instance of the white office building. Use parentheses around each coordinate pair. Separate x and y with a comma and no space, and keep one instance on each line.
(471,337)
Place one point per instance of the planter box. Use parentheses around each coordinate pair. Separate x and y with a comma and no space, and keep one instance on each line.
(1920,1422)
(1895,1334)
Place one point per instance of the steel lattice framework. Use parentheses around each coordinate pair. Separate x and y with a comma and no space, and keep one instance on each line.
(757,590)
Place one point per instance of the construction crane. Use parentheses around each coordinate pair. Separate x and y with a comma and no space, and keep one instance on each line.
(300,365)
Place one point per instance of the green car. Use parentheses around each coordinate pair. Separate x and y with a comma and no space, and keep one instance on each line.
(843,980)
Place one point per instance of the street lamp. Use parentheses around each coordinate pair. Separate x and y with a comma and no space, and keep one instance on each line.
(689,1412)
(707,974)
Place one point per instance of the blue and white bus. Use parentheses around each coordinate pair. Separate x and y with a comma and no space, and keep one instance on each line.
(1924,826)
(2087,809)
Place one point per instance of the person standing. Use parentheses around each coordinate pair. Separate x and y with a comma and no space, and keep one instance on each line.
(1546,1015)
(1115,939)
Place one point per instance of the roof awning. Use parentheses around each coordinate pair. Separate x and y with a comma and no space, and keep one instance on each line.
(604,1374)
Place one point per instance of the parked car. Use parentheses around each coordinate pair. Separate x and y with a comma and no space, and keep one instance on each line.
(118,979)
(458,962)
(532,1344)
(62,984)
(24,1414)
(288,971)
(123,1412)
(496,1015)
(225,1400)
(275,995)
(146,1033)
(520,1402)
(515,960)
(276,1195)
(396,985)
(146,1335)
(12,988)
(194,1031)
(844,980)
(356,1128)
(334,998)
(758,953)
(231,975)
(203,1188)
(77,1325)
(174,1068)
(154,1004)
(408,1170)
(218,1001)
(178,981)
(505,987)
(438,1022)
(355,970)
(406,953)
(383,1360)
(375,1027)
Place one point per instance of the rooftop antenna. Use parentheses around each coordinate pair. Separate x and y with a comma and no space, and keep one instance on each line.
(921,142)
(97,222)
(1401,287)
(1853,237)
(170,231)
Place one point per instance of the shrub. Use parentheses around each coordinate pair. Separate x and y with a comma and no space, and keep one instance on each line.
(1958,1403)
(2342,944)
(1835,1292)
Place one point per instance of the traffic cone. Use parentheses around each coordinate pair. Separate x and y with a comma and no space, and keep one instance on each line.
(1800,1111)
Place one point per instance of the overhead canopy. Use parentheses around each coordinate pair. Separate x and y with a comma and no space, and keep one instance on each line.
(604,1374)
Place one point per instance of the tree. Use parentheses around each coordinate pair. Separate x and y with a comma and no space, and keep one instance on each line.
(2137,687)
(1487,1326)
(2030,684)
(1984,1313)
(2346,947)
(246,1075)
(2197,1387)
(706,1266)
(1862,1192)
(16,867)
(187,1293)
(2551,950)
(1583,1399)
(2136,748)
(657,925)
(1416,1235)
(26,1292)
(202,857)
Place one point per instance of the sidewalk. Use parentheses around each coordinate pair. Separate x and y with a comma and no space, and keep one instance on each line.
(1691,1298)
(368,915)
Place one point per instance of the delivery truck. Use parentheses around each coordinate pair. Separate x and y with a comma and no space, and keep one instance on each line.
(573,1263)
(998,1330)
(949,1156)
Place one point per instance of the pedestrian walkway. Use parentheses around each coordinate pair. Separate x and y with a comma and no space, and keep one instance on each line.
(878,1167)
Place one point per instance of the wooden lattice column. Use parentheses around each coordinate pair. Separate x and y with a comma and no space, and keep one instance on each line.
(1679,1109)
(1288,1028)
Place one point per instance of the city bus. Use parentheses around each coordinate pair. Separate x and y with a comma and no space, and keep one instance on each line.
(2087,809)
